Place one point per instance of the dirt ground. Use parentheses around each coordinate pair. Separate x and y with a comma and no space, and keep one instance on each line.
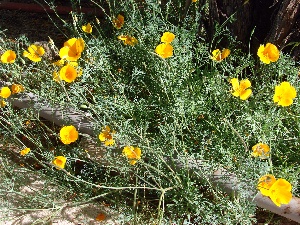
(39,27)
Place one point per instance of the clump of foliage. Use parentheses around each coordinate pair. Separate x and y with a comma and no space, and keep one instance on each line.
(166,112)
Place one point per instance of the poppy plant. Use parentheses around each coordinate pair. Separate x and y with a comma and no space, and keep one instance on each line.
(264,183)
(279,191)
(132,153)
(217,55)
(106,136)
(118,22)
(25,151)
(16,88)
(284,94)
(128,40)
(67,73)
(261,150)
(2,103)
(167,37)
(164,50)
(72,49)
(87,28)
(68,134)
(60,162)
(5,92)
(268,53)
(8,56)
(34,53)
(241,89)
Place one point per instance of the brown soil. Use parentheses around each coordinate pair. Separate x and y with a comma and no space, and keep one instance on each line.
(35,26)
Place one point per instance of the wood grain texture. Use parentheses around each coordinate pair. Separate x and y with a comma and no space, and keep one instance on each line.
(284,22)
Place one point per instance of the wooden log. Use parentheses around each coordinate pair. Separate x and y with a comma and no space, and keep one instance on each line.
(283,23)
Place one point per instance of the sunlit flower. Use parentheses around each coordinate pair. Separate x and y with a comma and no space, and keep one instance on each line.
(128,40)
(2,103)
(68,134)
(167,37)
(194,0)
(25,151)
(132,153)
(261,150)
(61,63)
(5,92)
(72,49)
(268,53)
(106,136)
(164,50)
(240,89)
(217,55)
(16,88)
(284,94)
(60,162)
(8,57)
(280,192)
(34,53)
(87,28)
(118,22)
(265,183)
(68,73)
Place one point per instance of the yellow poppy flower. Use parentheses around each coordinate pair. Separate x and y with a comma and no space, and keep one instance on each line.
(8,56)
(87,28)
(164,50)
(167,37)
(268,53)
(128,40)
(68,134)
(5,92)
(72,49)
(16,88)
(2,103)
(118,22)
(25,151)
(280,192)
(265,183)
(60,162)
(34,53)
(106,136)
(261,150)
(217,55)
(284,94)
(68,73)
(132,153)
(240,89)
